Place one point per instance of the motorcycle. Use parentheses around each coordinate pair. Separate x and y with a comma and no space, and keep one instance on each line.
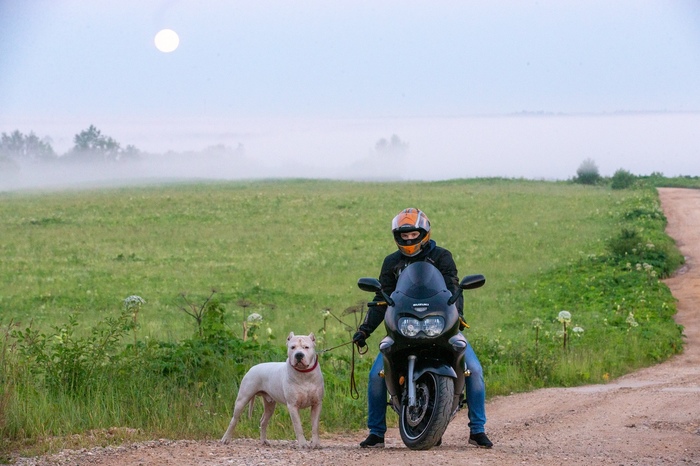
(423,351)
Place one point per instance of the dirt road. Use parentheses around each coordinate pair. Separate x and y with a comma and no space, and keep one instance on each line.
(651,417)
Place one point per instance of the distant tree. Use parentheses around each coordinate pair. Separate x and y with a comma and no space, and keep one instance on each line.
(587,173)
(91,145)
(19,146)
(622,179)
(394,145)
(130,153)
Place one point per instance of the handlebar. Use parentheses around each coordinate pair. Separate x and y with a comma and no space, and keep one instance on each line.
(376,303)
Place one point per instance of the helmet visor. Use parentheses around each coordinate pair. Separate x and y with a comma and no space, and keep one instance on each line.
(410,220)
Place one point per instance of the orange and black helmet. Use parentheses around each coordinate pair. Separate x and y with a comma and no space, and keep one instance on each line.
(411,220)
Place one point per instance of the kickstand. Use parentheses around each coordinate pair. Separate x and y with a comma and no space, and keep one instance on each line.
(462,403)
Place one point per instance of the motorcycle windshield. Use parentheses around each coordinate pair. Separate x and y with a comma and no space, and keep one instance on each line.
(420,280)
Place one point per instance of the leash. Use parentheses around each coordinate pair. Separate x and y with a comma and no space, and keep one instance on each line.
(354,394)
(353,386)
(335,347)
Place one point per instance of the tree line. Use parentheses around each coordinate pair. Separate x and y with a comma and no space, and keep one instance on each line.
(90,145)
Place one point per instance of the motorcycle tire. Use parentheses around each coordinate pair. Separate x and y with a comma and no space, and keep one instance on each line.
(423,426)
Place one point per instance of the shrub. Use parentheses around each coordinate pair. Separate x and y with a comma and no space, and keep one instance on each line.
(622,179)
(68,363)
(641,241)
(587,173)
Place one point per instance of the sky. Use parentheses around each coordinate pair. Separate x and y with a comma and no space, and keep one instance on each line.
(514,88)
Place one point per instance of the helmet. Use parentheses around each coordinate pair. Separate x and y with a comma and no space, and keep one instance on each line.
(411,220)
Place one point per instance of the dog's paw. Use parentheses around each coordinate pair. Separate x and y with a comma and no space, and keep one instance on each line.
(225,440)
(266,443)
(314,444)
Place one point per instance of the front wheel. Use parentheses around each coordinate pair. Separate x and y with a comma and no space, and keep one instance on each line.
(422,426)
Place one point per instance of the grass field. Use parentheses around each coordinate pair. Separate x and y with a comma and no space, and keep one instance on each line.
(292,251)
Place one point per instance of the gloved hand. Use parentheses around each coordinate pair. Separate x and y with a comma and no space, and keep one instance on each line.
(359,339)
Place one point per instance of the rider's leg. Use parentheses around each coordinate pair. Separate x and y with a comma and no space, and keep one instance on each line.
(376,399)
(476,393)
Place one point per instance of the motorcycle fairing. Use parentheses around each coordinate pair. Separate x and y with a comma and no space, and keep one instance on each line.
(420,280)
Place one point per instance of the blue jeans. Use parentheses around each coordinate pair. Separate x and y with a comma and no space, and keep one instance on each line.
(476,396)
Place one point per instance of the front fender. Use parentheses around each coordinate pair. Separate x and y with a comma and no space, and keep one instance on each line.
(436,366)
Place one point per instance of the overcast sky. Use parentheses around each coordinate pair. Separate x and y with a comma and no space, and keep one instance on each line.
(277,75)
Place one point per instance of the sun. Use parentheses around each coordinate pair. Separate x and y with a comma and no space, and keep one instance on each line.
(166,40)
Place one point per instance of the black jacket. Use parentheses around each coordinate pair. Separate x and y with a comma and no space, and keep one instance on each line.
(391,269)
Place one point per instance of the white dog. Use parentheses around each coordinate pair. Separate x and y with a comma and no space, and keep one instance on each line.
(297,383)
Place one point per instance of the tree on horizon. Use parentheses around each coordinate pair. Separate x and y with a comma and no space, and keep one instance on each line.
(26,147)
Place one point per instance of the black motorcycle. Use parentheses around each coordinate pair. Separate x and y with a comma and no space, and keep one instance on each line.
(423,351)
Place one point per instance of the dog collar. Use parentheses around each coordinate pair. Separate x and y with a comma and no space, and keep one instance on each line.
(306,370)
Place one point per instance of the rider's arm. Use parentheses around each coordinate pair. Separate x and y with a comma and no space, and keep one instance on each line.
(446,265)
(374,317)
(375,314)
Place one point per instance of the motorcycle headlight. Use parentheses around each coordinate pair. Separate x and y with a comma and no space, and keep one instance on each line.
(433,326)
(409,327)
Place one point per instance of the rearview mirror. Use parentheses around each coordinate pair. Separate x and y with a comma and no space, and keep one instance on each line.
(472,281)
(369,284)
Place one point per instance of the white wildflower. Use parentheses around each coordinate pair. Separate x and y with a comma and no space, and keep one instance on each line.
(133,302)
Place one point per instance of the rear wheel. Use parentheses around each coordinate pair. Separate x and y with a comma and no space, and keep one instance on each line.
(422,426)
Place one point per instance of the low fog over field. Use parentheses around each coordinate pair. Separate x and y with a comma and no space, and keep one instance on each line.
(548,147)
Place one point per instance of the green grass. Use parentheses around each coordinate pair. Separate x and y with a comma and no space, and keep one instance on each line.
(290,251)
(290,248)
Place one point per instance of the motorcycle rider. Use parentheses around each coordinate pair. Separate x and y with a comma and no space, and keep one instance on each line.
(411,230)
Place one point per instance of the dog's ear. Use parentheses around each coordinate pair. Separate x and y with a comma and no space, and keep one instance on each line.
(291,335)
(313,337)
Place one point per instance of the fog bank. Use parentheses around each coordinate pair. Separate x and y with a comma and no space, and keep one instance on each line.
(549,147)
